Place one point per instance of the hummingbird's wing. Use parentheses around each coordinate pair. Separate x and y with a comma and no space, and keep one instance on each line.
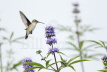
(25,19)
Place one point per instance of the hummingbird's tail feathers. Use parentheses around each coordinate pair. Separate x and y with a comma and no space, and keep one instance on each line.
(26,36)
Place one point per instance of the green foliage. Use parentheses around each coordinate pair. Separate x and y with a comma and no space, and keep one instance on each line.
(81,49)
(10,65)
(33,68)
(104,63)
(52,64)
(48,64)
(2,29)
(70,62)
(10,40)
(64,28)
(71,67)
(48,54)
(100,43)
(81,44)
(105,70)
(16,65)
(34,63)
(83,29)
(87,28)
(84,50)
(72,59)
(77,61)
(61,53)
(91,56)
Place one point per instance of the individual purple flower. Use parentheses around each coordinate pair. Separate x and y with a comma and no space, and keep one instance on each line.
(26,66)
(56,49)
(104,58)
(51,41)
(53,50)
(75,4)
(49,31)
(76,10)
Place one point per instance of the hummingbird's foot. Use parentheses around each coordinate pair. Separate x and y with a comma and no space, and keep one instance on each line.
(26,36)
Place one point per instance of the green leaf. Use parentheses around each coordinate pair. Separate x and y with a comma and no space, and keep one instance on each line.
(2,29)
(73,45)
(10,52)
(85,48)
(47,62)
(48,54)
(105,64)
(39,69)
(61,58)
(18,42)
(17,39)
(96,42)
(11,35)
(95,55)
(93,29)
(92,56)
(72,59)
(64,28)
(69,49)
(81,44)
(103,70)
(61,53)
(71,37)
(103,43)
(77,61)
(72,67)
(5,38)
(34,63)
(31,68)
(52,64)
(16,65)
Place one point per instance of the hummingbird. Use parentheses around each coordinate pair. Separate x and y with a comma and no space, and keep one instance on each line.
(30,26)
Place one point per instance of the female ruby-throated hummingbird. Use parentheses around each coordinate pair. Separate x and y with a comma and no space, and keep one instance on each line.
(30,25)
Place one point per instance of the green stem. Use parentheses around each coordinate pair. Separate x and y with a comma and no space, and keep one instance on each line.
(55,60)
(78,40)
(45,61)
(1,58)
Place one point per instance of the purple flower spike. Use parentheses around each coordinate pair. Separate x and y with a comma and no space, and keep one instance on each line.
(53,50)
(26,66)
(75,4)
(51,41)
(49,31)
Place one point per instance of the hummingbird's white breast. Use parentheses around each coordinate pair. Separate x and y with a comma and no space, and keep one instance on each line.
(32,26)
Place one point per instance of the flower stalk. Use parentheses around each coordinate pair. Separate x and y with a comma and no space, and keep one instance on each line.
(55,59)
(77,21)
(50,41)
(1,58)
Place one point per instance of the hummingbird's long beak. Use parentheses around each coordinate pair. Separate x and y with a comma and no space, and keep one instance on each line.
(41,22)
